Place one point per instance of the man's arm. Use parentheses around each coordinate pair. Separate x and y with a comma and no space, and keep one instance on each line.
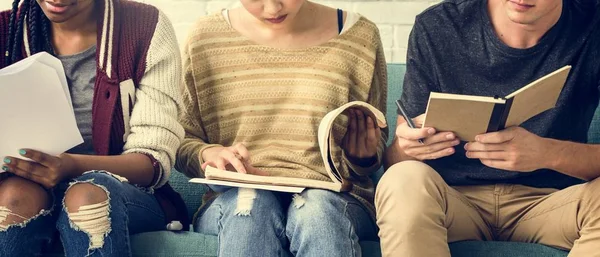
(419,81)
(574,159)
(516,149)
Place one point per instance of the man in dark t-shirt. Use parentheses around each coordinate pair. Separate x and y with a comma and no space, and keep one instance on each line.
(533,183)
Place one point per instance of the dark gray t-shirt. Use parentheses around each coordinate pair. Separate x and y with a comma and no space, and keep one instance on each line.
(80,70)
(454,49)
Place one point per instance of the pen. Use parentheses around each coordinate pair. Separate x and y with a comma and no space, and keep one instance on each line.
(406,118)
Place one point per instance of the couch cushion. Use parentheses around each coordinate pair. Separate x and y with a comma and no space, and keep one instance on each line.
(167,243)
(194,244)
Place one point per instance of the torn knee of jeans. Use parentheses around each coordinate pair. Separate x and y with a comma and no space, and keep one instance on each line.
(245,201)
(93,219)
(5,223)
(298,201)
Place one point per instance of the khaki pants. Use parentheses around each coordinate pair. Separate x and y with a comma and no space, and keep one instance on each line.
(419,214)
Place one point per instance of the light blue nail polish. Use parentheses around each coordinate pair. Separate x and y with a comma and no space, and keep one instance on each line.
(22,152)
(6,160)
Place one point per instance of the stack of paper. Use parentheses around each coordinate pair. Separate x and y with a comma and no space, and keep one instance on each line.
(35,107)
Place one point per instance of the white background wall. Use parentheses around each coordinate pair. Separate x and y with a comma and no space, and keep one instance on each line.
(393,17)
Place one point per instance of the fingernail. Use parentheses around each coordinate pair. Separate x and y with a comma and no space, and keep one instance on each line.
(22,152)
(450,136)
(7,160)
(431,131)
(451,150)
(4,168)
(467,146)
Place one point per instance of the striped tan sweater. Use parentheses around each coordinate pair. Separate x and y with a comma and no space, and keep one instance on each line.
(272,100)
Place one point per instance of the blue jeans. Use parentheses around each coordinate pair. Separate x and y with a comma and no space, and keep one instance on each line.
(131,210)
(262,223)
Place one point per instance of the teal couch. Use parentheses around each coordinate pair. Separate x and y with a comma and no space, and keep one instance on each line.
(177,244)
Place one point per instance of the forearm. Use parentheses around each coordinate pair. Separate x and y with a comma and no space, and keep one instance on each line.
(573,159)
(189,159)
(393,154)
(136,167)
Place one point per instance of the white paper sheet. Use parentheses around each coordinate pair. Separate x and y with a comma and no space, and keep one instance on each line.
(35,108)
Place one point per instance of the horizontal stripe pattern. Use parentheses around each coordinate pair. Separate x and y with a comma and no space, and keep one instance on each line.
(272,100)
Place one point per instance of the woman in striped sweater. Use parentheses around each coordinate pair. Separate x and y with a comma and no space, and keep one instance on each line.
(123,67)
(258,80)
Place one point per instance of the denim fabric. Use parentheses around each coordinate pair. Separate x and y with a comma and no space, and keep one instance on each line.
(28,238)
(263,223)
(131,210)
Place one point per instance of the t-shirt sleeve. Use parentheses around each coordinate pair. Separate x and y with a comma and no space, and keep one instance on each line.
(419,78)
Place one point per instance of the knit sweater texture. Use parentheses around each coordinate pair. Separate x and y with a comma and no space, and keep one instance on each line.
(272,100)
(136,94)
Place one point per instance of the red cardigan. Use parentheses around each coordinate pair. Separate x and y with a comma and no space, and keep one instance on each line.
(132,28)
(125,31)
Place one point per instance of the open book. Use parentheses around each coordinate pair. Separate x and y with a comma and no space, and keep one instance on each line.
(214,176)
(36,107)
(468,116)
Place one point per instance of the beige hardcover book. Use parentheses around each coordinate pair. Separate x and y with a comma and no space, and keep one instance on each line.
(214,176)
(468,116)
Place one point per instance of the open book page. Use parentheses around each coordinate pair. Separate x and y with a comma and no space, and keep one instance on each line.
(216,176)
(223,185)
(536,97)
(212,173)
(468,116)
(40,116)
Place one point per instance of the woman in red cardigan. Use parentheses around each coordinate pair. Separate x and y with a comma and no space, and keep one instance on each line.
(123,67)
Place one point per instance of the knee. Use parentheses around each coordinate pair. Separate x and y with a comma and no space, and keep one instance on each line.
(408,181)
(252,202)
(407,175)
(316,209)
(83,194)
(87,208)
(21,199)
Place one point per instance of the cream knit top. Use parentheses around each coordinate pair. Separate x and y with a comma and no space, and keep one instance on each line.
(272,100)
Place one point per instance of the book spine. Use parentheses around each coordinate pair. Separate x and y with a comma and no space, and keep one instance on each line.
(502,121)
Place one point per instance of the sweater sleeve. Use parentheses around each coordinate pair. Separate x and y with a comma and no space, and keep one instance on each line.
(155,130)
(377,98)
(189,156)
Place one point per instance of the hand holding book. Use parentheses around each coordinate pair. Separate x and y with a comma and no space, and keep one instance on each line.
(221,157)
(361,139)
(434,144)
(468,115)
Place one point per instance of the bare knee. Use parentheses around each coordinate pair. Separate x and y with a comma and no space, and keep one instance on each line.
(83,194)
(20,200)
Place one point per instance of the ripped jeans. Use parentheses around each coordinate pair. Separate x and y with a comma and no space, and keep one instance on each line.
(91,233)
(261,223)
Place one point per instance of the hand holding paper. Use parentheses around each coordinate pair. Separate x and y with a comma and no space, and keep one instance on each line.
(36,108)
(44,169)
